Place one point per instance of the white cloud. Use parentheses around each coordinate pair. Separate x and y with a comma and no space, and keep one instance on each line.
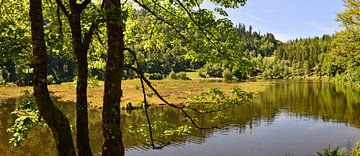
(320,27)
(284,37)
(257,18)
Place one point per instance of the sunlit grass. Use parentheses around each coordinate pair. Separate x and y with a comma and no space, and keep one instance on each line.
(175,91)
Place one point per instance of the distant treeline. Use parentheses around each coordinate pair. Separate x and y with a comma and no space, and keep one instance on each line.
(249,54)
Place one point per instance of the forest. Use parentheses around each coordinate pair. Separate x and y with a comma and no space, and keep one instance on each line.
(110,43)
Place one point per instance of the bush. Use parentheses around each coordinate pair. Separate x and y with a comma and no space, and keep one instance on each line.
(2,81)
(129,74)
(93,82)
(214,70)
(182,76)
(27,117)
(154,76)
(356,149)
(50,79)
(227,74)
(201,72)
(172,75)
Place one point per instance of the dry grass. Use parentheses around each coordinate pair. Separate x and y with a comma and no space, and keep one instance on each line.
(175,91)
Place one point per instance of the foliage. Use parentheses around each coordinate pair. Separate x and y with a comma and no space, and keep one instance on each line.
(27,117)
(335,152)
(2,81)
(356,149)
(341,152)
(92,81)
(154,76)
(227,74)
(161,130)
(216,99)
(172,75)
(182,76)
(179,76)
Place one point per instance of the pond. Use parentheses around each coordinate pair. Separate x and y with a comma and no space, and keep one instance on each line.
(290,117)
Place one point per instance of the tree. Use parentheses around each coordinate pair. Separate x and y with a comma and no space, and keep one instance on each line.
(346,47)
(80,47)
(114,72)
(56,120)
(194,30)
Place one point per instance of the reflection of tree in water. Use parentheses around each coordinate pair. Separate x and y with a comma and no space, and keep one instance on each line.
(335,103)
(324,101)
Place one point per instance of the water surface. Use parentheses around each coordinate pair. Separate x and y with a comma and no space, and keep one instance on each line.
(297,117)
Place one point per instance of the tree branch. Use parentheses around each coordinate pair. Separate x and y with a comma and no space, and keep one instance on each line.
(89,34)
(182,108)
(204,31)
(84,4)
(62,7)
(160,18)
(73,5)
(59,20)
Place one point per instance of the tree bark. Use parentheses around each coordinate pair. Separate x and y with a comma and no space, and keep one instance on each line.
(80,49)
(113,144)
(56,120)
(82,130)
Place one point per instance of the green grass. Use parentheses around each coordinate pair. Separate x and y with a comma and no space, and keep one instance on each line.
(175,91)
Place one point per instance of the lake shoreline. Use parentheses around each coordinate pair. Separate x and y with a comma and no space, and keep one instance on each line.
(175,91)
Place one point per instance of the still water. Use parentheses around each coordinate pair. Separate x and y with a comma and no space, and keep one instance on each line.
(290,117)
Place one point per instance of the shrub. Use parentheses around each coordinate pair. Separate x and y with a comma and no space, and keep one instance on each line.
(172,75)
(2,81)
(182,76)
(201,72)
(227,74)
(50,79)
(356,149)
(214,70)
(27,117)
(93,82)
(154,76)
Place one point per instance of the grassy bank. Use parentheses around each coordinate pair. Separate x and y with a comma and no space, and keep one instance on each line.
(175,91)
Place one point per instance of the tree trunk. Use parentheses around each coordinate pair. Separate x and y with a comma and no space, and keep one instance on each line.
(82,130)
(56,120)
(113,144)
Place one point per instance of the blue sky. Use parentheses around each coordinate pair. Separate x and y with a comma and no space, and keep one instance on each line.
(288,19)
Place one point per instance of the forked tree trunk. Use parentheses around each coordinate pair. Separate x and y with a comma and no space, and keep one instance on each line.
(80,49)
(113,145)
(56,120)
(82,130)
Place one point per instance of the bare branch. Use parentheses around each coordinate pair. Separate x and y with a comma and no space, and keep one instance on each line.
(62,7)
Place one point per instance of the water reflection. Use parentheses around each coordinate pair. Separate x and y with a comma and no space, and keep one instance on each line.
(296,117)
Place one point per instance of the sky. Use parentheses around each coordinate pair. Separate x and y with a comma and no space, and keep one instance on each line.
(288,19)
